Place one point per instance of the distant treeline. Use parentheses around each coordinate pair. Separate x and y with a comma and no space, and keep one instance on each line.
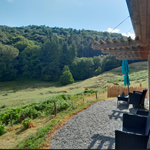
(42,52)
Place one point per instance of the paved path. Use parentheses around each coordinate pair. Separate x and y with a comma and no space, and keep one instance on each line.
(93,128)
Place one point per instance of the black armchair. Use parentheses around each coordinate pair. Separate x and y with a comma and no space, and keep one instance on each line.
(135,132)
(137,98)
(125,140)
(142,112)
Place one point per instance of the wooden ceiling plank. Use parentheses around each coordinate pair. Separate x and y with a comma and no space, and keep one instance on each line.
(148,20)
(142,4)
(134,12)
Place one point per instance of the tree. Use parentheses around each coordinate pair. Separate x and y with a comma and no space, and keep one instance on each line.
(66,77)
(51,60)
(7,69)
(30,64)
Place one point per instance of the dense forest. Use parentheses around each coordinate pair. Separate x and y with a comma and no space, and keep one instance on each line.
(42,52)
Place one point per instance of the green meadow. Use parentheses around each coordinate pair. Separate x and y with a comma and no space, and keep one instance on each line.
(23,92)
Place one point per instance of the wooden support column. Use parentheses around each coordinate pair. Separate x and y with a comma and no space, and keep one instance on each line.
(149,79)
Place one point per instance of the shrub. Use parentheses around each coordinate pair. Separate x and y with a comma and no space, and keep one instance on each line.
(89,91)
(36,109)
(66,77)
(26,121)
(2,129)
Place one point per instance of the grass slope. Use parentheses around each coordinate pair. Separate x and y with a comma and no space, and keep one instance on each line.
(22,92)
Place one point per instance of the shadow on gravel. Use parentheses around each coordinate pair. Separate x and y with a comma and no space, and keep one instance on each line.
(116,114)
(104,140)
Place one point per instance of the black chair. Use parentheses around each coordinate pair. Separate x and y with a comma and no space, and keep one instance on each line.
(135,132)
(142,112)
(137,98)
(124,140)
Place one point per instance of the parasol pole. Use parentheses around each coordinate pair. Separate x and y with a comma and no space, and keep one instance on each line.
(128,89)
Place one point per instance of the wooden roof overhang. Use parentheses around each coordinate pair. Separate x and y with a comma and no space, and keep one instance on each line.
(137,49)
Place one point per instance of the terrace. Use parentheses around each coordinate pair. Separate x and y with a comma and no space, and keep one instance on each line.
(93,128)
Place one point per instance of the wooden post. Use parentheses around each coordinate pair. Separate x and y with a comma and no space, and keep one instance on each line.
(83,96)
(55,108)
(140,85)
(11,120)
(128,90)
(96,94)
(107,91)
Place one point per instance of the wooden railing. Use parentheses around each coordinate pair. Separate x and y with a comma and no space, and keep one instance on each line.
(113,91)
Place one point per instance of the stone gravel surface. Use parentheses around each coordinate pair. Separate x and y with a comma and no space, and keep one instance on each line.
(94,127)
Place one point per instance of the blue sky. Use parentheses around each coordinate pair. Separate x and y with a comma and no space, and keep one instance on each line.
(98,15)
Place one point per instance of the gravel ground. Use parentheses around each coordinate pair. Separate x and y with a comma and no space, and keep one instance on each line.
(93,128)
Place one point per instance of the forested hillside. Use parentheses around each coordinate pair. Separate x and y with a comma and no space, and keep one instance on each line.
(42,52)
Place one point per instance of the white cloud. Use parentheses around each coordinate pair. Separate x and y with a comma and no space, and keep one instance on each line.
(10,1)
(124,34)
(112,30)
(129,34)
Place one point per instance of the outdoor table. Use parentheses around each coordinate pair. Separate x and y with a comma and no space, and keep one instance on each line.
(123,98)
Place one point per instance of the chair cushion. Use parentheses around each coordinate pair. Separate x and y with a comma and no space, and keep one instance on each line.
(134,130)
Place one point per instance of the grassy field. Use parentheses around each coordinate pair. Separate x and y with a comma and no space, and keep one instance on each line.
(21,92)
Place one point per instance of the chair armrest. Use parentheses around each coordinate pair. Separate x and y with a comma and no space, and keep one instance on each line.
(134,98)
(142,112)
(134,121)
(125,140)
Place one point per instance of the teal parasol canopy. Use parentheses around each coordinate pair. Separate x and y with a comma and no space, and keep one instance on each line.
(125,70)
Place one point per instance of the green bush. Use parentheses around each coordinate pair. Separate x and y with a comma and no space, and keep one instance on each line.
(36,109)
(2,129)
(26,121)
(89,91)
(66,77)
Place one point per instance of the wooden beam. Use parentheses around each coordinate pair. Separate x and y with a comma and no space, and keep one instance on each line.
(121,50)
(122,39)
(148,21)
(144,57)
(113,45)
(101,42)
(142,4)
(108,41)
(128,58)
(115,40)
(98,45)
(133,8)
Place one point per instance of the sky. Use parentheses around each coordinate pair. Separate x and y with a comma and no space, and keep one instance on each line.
(97,15)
